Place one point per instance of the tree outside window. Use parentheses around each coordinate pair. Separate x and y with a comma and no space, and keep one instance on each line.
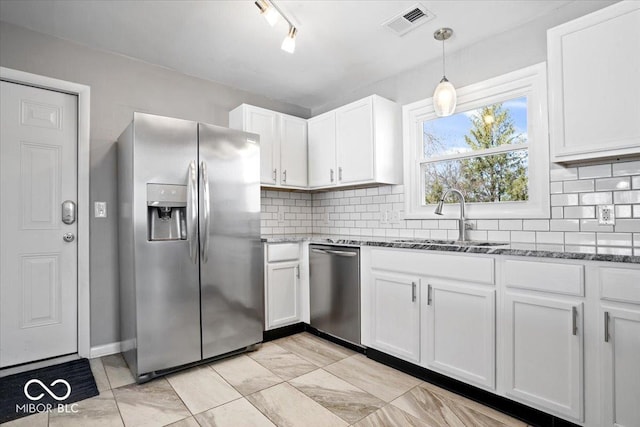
(482,152)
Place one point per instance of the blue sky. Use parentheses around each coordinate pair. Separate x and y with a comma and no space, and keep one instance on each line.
(451,130)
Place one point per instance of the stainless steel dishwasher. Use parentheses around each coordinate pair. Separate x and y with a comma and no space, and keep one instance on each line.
(335,290)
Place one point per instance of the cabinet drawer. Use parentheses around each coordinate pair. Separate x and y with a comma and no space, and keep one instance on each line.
(550,277)
(620,284)
(283,252)
(450,266)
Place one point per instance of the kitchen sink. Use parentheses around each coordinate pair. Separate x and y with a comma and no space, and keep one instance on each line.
(473,243)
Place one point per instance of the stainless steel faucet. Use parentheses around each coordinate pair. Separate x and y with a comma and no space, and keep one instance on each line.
(461,222)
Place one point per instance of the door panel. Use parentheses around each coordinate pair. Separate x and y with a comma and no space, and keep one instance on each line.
(354,142)
(167,287)
(282,293)
(38,287)
(322,150)
(264,123)
(544,353)
(231,268)
(293,151)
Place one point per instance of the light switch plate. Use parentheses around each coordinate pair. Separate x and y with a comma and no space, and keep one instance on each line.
(100,209)
(606,215)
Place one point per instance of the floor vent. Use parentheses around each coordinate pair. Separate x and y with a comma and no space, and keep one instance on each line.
(409,19)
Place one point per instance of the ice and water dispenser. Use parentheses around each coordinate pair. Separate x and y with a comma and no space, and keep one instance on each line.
(166,212)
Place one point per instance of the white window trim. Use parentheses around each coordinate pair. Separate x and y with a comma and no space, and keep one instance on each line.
(530,82)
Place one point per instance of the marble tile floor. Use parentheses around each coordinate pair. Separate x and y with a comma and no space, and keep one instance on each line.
(301,380)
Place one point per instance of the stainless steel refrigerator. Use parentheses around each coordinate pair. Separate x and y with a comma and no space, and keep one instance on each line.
(191,270)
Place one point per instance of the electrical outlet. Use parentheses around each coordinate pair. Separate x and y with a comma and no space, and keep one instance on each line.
(384,217)
(606,215)
(395,217)
(325,218)
(280,216)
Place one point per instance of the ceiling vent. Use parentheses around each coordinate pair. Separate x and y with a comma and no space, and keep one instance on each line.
(409,20)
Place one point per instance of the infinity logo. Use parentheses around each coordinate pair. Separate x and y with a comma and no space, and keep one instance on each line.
(52,394)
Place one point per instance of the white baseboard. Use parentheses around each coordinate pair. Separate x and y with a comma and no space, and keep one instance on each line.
(106,349)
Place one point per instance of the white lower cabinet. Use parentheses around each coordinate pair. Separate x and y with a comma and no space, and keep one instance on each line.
(621,366)
(458,331)
(395,314)
(619,343)
(543,342)
(282,285)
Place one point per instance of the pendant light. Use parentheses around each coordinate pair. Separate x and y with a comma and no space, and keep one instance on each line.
(268,11)
(444,97)
(289,42)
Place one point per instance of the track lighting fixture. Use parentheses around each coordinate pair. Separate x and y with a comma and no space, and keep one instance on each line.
(289,42)
(271,13)
(268,11)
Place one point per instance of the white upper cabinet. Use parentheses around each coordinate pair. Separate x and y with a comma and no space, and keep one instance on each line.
(293,151)
(594,89)
(322,150)
(358,143)
(283,144)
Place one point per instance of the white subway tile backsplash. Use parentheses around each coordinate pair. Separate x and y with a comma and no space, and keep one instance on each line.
(619,183)
(622,197)
(578,186)
(565,225)
(580,249)
(580,212)
(510,224)
(488,224)
(536,224)
(550,237)
(595,171)
(626,168)
(580,239)
(604,250)
(559,173)
(575,193)
(564,199)
(556,187)
(595,199)
(623,211)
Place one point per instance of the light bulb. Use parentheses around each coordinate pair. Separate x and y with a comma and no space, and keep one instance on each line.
(271,15)
(444,98)
(289,42)
(268,12)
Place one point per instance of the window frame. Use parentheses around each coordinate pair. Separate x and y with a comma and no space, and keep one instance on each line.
(530,82)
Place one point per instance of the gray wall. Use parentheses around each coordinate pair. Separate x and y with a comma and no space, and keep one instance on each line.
(119,86)
(505,52)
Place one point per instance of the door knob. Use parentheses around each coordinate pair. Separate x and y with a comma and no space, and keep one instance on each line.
(68,237)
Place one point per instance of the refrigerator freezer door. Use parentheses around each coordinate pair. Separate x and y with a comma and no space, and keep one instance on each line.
(231,270)
(167,291)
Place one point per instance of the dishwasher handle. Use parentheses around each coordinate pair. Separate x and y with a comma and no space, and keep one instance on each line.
(319,251)
(342,253)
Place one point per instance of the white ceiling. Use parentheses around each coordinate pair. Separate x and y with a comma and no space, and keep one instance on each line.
(341,44)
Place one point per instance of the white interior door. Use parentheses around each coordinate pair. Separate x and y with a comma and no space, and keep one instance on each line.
(38,279)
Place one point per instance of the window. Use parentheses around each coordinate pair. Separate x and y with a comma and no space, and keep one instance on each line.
(494,149)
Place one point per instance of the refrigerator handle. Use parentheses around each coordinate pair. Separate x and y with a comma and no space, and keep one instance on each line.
(206,199)
(192,212)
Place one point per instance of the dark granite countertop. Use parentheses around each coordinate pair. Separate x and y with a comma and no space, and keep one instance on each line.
(514,249)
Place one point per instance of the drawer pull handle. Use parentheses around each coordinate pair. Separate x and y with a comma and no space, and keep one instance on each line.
(574,315)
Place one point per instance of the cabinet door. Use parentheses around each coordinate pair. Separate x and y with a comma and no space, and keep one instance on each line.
(544,353)
(264,123)
(621,376)
(283,302)
(395,315)
(354,142)
(594,88)
(322,150)
(459,331)
(293,151)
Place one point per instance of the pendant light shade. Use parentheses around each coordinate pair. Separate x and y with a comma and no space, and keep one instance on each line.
(269,12)
(289,42)
(444,97)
